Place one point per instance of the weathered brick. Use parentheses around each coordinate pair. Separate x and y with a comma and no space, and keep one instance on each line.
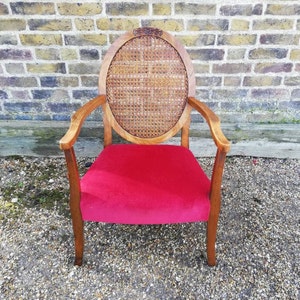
(255,106)
(47,54)
(228,106)
(50,25)
(42,94)
(279,39)
(295,54)
(261,81)
(273,67)
(235,54)
(85,94)
(201,68)
(162,9)
(236,10)
(89,54)
(79,9)
(127,9)
(22,107)
(89,81)
(15,68)
(166,24)
(273,24)
(84,68)
(8,39)
(15,54)
(257,9)
(194,9)
(58,81)
(46,68)
(292,80)
(296,95)
(63,107)
(41,39)
(231,68)
(20,94)
(3,95)
(232,81)
(68,54)
(12,24)
(197,40)
(268,53)
(233,94)
(208,25)
(84,24)
(202,94)
(117,24)
(32,8)
(283,9)
(6,116)
(270,93)
(237,25)
(206,54)
(3,9)
(237,39)
(85,39)
(291,104)
(208,81)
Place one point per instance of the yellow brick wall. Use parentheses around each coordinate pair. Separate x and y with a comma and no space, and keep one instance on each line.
(246,55)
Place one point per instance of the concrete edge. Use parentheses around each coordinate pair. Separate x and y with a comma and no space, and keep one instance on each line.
(34,138)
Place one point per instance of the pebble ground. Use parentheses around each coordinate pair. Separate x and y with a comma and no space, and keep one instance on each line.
(257,246)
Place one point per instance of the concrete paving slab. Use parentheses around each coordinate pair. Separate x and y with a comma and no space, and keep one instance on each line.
(258,140)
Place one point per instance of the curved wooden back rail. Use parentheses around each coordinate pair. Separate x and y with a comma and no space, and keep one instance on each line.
(147,77)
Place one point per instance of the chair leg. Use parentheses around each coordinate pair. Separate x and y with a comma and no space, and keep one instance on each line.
(77,221)
(211,235)
(215,204)
(79,242)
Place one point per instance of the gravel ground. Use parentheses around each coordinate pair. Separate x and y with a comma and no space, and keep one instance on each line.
(257,246)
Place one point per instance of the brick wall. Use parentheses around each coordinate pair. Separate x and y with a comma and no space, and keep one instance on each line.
(246,54)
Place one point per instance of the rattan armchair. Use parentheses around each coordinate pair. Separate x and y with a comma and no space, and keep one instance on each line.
(147,93)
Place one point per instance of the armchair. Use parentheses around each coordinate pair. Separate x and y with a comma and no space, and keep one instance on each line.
(147,93)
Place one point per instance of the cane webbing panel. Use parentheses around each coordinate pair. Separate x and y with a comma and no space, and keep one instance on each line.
(147,86)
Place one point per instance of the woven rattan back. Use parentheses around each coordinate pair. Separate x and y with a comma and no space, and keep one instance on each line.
(147,85)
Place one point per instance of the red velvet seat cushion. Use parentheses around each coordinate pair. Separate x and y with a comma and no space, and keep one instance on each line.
(145,184)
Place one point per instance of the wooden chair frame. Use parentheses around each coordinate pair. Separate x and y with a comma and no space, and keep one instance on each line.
(77,120)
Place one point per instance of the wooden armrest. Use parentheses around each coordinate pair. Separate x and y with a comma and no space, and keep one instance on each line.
(68,140)
(213,122)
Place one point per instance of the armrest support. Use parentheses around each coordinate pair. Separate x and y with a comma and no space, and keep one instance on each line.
(68,140)
(213,122)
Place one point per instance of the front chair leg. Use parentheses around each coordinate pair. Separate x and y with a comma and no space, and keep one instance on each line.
(211,235)
(77,221)
(79,242)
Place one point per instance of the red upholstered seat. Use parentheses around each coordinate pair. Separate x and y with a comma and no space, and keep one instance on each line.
(145,184)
